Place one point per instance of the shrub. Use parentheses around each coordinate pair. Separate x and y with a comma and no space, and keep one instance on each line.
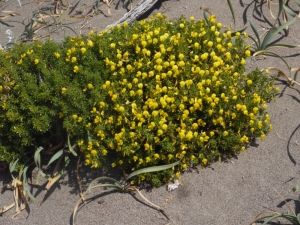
(140,95)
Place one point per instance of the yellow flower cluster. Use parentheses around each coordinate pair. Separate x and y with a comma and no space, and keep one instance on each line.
(171,90)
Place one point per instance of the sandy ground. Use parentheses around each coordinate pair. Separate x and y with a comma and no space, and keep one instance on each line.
(228,193)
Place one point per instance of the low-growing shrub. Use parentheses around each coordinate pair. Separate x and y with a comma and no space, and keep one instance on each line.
(140,95)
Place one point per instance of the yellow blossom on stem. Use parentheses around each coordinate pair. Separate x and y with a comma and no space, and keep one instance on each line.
(90,43)
(76,69)
(63,90)
(83,50)
(57,55)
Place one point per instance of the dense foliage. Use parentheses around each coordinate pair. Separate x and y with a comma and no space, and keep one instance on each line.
(140,95)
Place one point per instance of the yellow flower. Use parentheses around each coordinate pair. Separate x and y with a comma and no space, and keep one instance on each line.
(156,156)
(262,136)
(204,161)
(83,50)
(165,127)
(247,53)
(159,132)
(90,86)
(148,159)
(192,19)
(249,82)
(141,161)
(36,61)
(243,61)
(73,60)
(233,115)
(57,55)
(63,90)
(80,143)
(121,109)
(94,152)
(113,165)
(87,162)
(181,25)
(255,109)
(76,69)
(104,152)
(60,114)
(90,43)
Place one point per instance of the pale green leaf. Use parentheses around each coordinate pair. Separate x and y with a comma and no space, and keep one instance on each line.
(100,179)
(151,169)
(12,166)
(273,32)
(256,34)
(70,147)
(55,157)
(37,157)
(289,11)
(232,11)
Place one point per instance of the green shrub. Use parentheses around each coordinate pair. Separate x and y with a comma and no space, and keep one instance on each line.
(140,95)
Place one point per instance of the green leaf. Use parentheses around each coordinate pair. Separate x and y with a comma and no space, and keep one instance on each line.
(256,34)
(55,157)
(71,148)
(232,11)
(205,16)
(280,4)
(90,187)
(37,157)
(67,160)
(292,218)
(297,2)
(273,32)
(298,217)
(152,169)
(25,184)
(284,46)
(255,42)
(271,218)
(12,166)
(289,11)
